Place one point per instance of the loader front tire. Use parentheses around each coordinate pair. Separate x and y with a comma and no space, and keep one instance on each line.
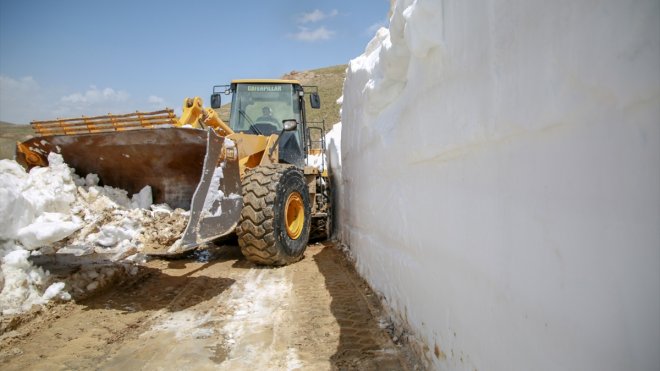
(275,221)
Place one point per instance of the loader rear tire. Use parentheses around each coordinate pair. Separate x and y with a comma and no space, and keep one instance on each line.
(275,221)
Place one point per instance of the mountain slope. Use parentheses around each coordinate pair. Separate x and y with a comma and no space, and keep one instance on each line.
(330,81)
(9,135)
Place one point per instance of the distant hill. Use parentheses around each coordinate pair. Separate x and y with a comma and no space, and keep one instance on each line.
(9,135)
(330,81)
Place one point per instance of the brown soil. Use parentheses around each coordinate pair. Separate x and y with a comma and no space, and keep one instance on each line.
(215,310)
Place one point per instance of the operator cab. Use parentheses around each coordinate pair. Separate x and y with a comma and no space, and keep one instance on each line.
(260,107)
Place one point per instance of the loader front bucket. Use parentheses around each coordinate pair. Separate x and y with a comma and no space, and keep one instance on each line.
(178,163)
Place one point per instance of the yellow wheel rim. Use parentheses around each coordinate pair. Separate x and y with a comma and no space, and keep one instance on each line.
(294,215)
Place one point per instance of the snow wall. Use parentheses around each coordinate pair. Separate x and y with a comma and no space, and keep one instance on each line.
(501,180)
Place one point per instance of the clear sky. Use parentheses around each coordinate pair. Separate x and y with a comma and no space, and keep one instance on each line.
(73,57)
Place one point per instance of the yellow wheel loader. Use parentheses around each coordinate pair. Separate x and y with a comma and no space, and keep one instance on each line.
(249,177)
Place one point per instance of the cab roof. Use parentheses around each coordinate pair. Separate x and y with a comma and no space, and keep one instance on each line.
(265,81)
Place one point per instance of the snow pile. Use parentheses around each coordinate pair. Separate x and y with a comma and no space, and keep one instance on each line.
(35,210)
(317,161)
(120,227)
(24,285)
(504,157)
(36,207)
(51,210)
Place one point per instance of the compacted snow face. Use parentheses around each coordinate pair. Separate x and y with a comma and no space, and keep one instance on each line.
(333,156)
(500,177)
(51,210)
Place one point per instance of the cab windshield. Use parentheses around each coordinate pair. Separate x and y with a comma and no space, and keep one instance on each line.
(261,108)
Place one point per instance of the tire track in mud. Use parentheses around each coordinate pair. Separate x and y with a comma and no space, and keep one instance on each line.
(224,313)
(85,334)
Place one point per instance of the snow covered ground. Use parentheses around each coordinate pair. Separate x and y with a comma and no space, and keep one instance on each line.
(51,210)
(500,177)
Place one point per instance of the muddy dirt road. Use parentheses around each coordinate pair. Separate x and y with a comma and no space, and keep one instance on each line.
(216,311)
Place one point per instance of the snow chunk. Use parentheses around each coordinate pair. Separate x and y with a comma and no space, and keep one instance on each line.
(48,228)
(142,199)
(24,197)
(317,161)
(16,211)
(52,210)
(214,194)
(22,283)
(56,290)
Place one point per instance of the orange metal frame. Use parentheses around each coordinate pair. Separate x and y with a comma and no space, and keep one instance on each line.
(98,124)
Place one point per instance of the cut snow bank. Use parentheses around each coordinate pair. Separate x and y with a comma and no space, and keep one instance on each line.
(500,180)
(333,155)
(51,210)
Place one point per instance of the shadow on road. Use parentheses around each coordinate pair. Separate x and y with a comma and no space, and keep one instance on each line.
(155,289)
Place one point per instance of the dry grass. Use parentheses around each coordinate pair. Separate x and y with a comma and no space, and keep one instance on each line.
(330,81)
(9,135)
